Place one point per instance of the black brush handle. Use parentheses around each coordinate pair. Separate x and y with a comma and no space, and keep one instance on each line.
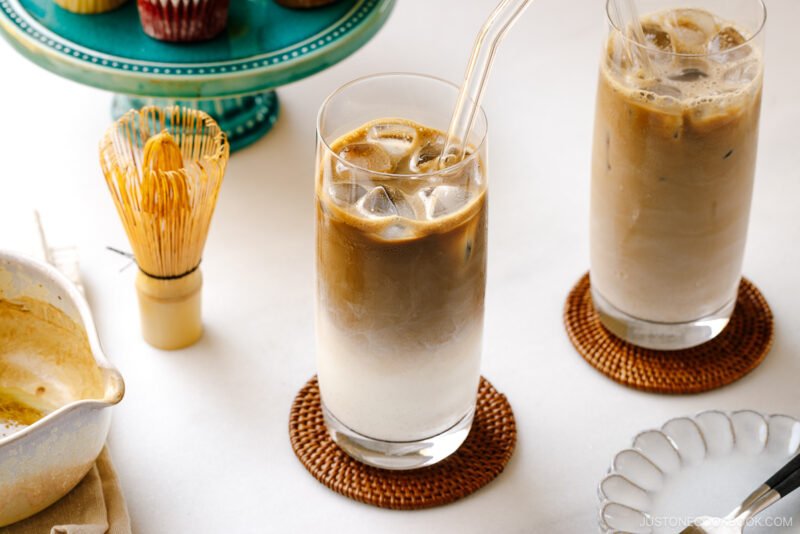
(788,484)
(791,466)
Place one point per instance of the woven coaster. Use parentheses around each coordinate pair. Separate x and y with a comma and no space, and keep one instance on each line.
(736,351)
(482,456)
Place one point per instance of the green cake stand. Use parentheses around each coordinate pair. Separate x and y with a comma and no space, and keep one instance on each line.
(231,77)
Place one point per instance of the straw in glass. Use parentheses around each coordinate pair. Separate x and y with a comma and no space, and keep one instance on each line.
(476,76)
(628,19)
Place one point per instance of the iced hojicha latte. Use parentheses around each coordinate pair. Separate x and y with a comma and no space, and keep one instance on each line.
(401,273)
(672,176)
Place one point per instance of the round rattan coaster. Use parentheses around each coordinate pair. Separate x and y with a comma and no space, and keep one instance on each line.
(477,462)
(728,357)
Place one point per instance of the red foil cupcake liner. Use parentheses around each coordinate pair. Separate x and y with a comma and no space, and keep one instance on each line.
(183,20)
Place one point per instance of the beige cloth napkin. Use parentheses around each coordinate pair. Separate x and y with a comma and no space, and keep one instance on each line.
(94,506)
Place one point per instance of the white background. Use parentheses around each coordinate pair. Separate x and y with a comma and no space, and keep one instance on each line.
(201,440)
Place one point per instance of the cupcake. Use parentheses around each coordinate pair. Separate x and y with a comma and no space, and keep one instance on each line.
(90,6)
(183,20)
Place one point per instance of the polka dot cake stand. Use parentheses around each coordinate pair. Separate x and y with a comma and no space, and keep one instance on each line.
(231,77)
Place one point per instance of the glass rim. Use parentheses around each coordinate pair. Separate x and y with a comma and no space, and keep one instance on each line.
(463,163)
(632,42)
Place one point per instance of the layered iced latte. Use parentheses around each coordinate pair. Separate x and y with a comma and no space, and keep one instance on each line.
(401,272)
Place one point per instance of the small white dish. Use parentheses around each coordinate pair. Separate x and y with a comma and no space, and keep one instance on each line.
(701,465)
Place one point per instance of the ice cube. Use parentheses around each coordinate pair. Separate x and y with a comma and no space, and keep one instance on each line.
(656,37)
(743,73)
(401,202)
(385,201)
(443,200)
(397,140)
(397,230)
(692,29)
(724,39)
(377,203)
(426,157)
(689,74)
(728,39)
(346,194)
(658,43)
(365,155)
(663,89)
(466,175)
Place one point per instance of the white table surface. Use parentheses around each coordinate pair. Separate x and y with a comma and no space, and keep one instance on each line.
(201,440)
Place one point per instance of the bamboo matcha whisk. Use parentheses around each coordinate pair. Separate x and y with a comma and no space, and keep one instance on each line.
(164,167)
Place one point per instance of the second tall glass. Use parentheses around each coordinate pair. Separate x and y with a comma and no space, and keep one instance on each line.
(676,131)
(401,271)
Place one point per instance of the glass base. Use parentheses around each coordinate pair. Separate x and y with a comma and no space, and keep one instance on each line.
(244,119)
(661,336)
(398,455)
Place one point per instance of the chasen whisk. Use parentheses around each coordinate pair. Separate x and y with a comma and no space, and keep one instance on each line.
(164,167)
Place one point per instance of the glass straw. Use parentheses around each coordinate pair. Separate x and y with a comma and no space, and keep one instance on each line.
(472,88)
(628,18)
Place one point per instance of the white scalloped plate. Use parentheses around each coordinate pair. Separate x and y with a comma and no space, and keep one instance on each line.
(701,465)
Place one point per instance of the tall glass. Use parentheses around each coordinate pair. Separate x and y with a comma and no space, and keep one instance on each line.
(401,271)
(676,130)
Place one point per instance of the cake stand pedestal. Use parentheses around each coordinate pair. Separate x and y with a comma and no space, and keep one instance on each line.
(244,119)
